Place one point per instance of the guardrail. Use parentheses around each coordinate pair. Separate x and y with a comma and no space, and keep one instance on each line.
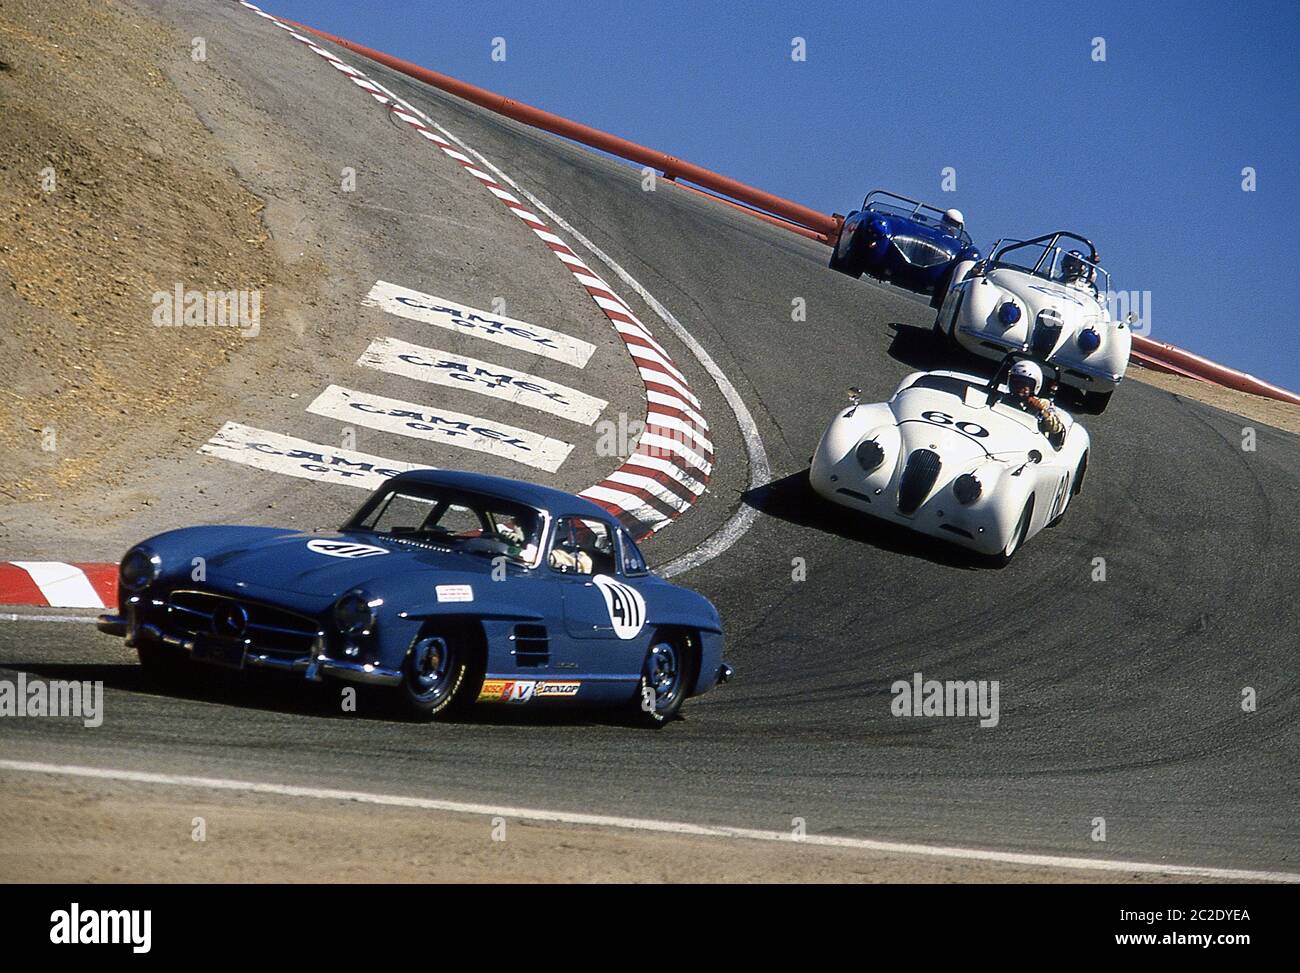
(758,203)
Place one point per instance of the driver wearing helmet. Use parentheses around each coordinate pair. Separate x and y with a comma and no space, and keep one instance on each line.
(953,222)
(1077,272)
(1024,382)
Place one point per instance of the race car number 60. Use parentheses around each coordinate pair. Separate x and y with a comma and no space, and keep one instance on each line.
(943,419)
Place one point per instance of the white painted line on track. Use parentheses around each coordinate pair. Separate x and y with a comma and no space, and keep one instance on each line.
(647,824)
(436,424)
(397,357)
(440,312)
(278,453)
(16,617)
(760,469)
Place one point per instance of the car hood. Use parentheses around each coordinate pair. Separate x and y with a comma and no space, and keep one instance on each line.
(322,564)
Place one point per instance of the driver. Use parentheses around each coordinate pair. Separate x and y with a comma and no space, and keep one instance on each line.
(953,222)
(1077,272)
(1025,380)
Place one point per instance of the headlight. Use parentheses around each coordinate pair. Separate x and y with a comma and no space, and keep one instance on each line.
(869,454)
(1089,340)
(354,613)
(967,488)
(140,568)
(1008,313)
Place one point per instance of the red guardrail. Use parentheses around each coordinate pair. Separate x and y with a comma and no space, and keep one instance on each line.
(774,209)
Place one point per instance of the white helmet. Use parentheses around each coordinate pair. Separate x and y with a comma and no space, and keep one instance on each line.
(954,217)
(1025,375)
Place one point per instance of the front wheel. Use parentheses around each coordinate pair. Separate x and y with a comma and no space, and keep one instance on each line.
(842,255)
(437,676)
(1017,536)
(665,679)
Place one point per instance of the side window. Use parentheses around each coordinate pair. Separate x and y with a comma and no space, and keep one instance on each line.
(582,546)
(633,561)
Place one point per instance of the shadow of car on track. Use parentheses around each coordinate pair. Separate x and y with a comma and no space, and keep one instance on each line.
(279,693)
(792,499)
(925,350)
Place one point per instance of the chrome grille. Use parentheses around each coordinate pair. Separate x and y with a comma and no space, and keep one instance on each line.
(918,478)
(271,631)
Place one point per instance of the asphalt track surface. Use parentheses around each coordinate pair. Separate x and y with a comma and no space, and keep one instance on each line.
(1119,698)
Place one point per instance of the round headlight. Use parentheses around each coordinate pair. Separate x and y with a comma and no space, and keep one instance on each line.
(869,454)
(140,568)
(967,488)
(354,613)
(1009,313)
(1089,340)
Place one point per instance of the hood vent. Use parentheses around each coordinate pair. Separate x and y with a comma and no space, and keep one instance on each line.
(918,478)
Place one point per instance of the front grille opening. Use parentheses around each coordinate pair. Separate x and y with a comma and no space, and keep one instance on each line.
(532,645)
(918,478)
(272,631)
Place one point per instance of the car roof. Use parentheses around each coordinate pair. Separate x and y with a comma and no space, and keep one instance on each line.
(557,502)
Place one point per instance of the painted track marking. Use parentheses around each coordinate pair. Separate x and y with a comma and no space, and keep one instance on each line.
(648,824)
(444,368)
(436,424)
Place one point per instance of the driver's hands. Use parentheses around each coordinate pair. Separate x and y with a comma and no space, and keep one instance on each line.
(511,533)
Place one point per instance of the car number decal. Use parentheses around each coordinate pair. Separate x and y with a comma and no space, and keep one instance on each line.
(625,605)
(962,426)
(344,549)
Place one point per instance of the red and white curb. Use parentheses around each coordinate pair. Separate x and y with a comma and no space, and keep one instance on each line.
(673,459)
(667,471)
(58,584)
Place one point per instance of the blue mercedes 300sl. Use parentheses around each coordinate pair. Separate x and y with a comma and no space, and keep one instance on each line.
(449,587)
(905,242)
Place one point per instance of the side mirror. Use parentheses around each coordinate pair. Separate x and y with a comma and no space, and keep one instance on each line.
(855,395)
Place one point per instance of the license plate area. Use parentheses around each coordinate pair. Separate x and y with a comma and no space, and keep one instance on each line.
(219,652)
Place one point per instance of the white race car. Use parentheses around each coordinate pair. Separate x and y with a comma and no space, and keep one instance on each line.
(1041,298)
(966,459)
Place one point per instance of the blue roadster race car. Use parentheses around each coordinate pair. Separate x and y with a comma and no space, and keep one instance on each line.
(448,587)
(905,242)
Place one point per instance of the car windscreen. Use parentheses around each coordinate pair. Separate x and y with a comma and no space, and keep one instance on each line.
(945,383)
(453,520)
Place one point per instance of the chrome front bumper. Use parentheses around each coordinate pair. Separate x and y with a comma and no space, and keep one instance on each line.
(311,667)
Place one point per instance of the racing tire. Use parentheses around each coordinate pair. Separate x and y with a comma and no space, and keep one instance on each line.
(163,663)
(941,291)
(842,256)
(666,676)
(441,674)
(1017,536)
(1076,487)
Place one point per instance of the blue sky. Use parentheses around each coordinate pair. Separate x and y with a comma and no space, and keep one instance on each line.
(1142,152)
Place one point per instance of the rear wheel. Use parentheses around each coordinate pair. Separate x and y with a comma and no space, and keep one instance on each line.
(440,675)
(1096,402)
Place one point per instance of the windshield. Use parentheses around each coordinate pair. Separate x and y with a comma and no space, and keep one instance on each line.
(921,213)
(453,520)
(1061,264)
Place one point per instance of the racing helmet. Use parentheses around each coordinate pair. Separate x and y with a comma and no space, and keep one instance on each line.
(954,218)
(1025,376)
(1075,267)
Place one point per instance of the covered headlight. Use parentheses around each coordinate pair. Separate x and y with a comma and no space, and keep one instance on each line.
(1089,340)
(1009,313)
(967,488)
(354,613)
(140,568)
(870,454)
